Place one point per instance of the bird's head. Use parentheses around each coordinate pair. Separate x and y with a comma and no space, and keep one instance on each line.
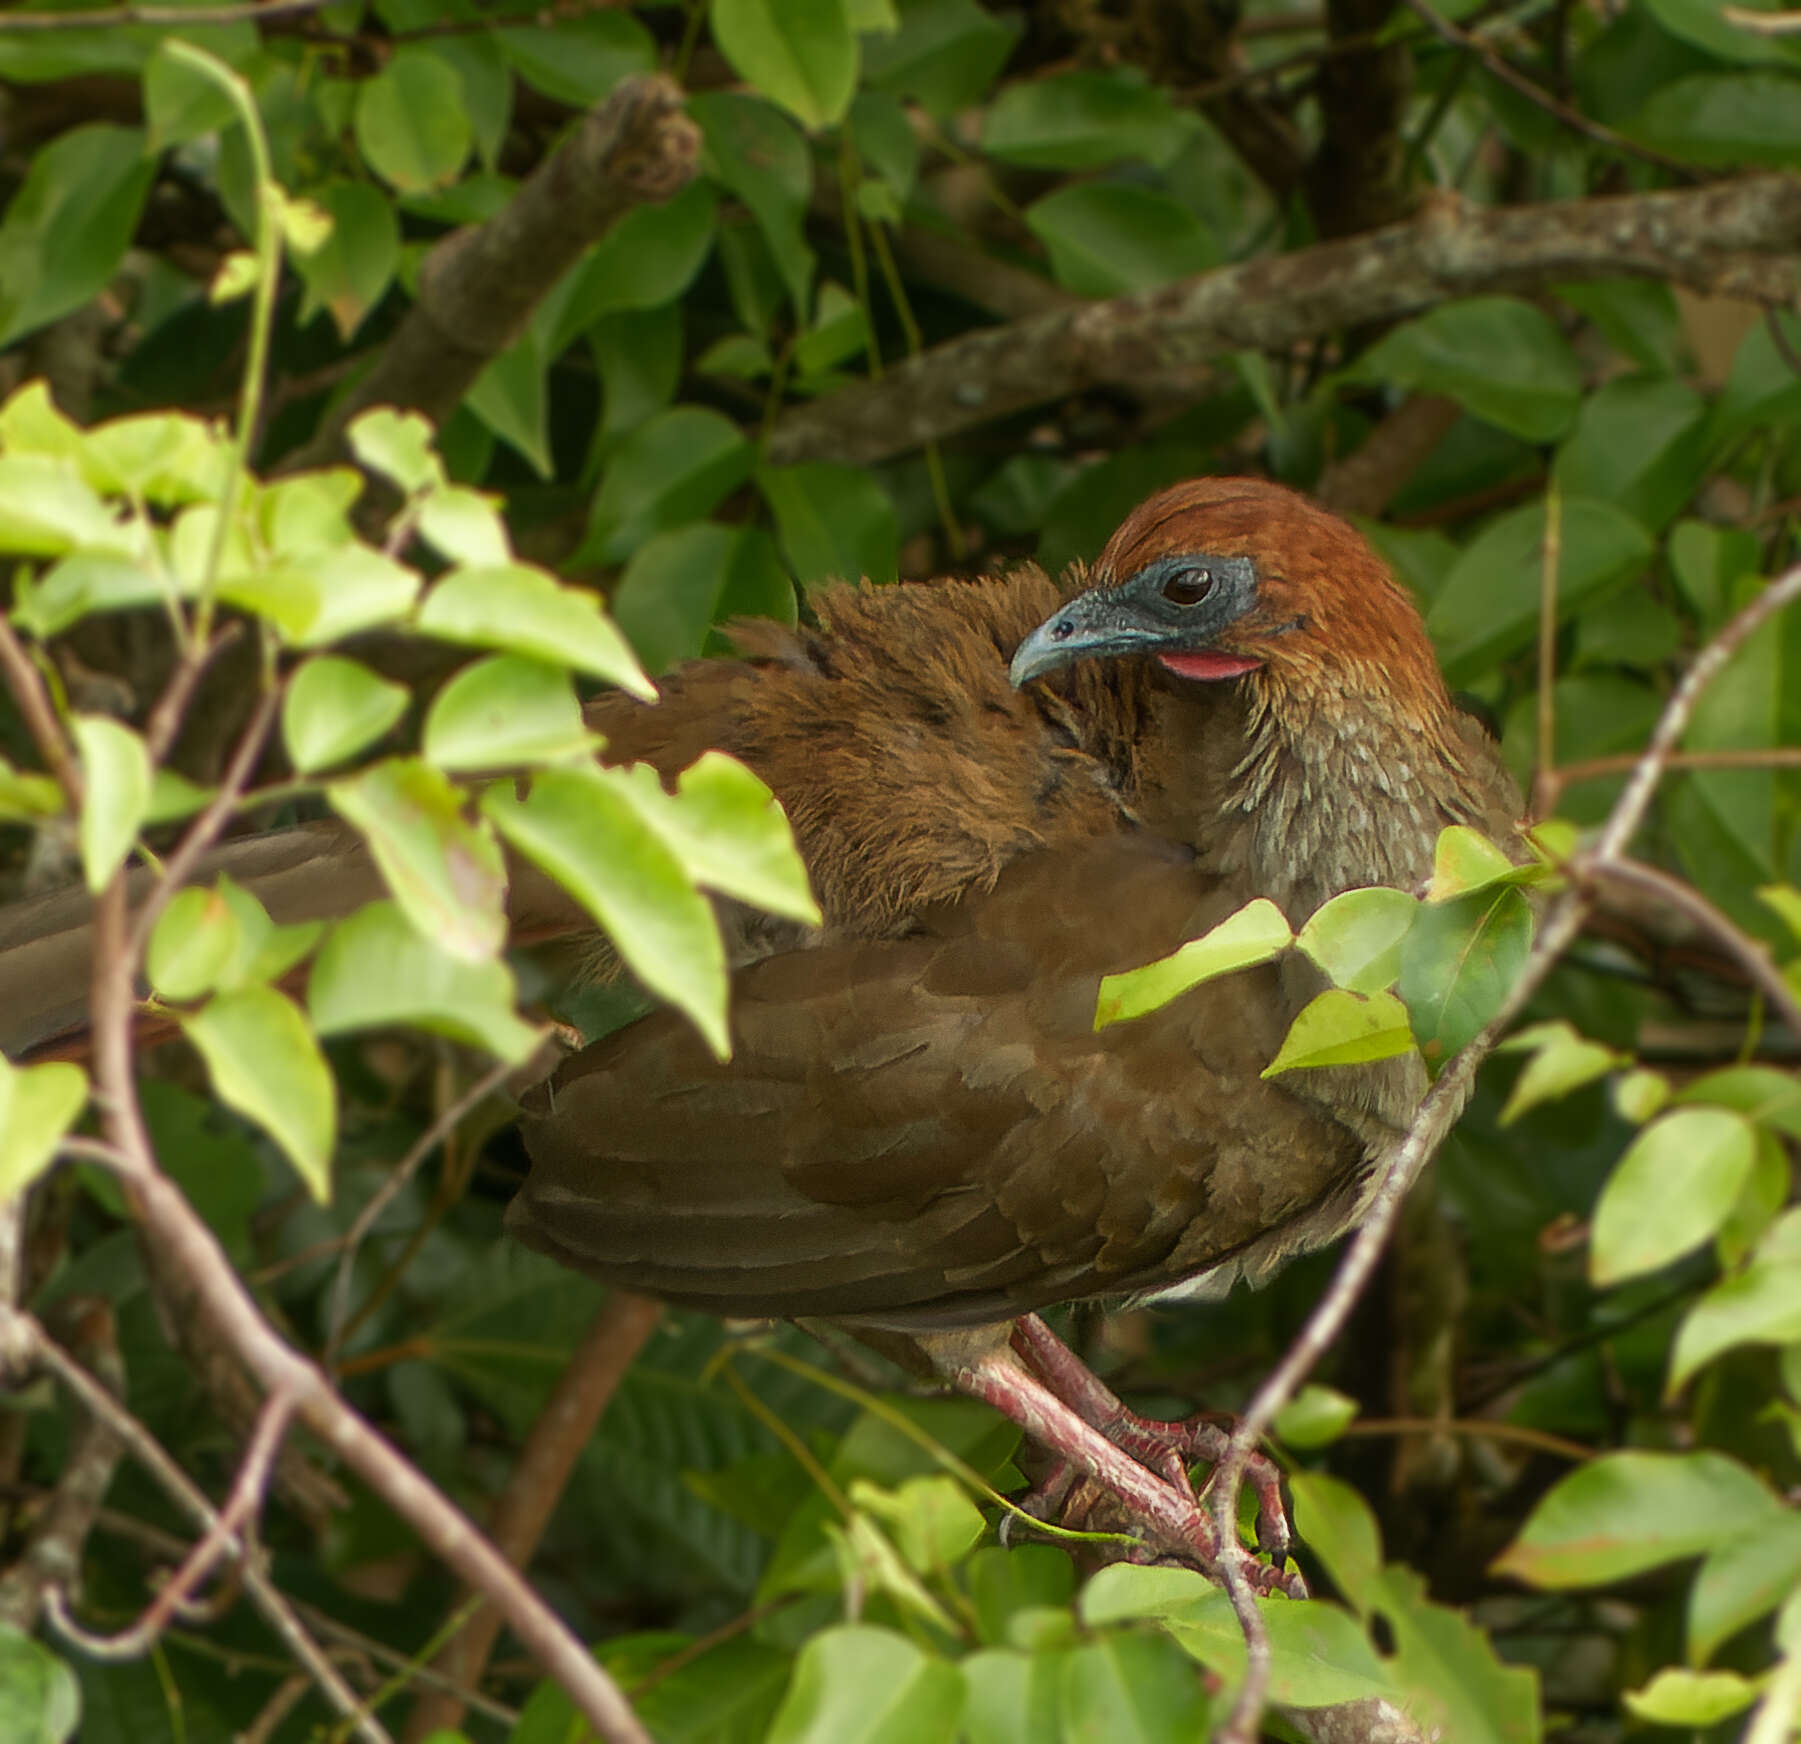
(1220,578)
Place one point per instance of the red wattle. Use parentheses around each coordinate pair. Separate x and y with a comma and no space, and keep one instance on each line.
(1208,663)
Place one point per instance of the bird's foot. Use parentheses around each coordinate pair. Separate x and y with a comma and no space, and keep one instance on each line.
(1167,1447)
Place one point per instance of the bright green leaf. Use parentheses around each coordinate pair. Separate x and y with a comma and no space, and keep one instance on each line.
(40,1701)
(410,120)
(1464,860)
(196,938)
(1257,933)
(398,445)
(264,1062)
(1356,937)
(803,53)
(1561,1061)
(1675,1697)
(1341,1028)
(375,969)
(1674,1187)
(1743,1579)
(445,870)
(333,709)
(1627,1512)
(38,1104)
(1315,1417)
(855,1684)
(504,711)
(523,610)
(1759,1305)
(115,772)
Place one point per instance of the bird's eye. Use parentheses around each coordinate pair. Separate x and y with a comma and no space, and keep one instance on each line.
(1188,587)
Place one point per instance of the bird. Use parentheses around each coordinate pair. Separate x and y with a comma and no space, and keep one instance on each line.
(1004,789)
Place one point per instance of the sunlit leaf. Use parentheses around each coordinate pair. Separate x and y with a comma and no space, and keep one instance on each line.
(504,711)
(38,1104)
(115,772)
(1670,1192)
(335,708)
(1257,933)
(1342,1028)
(1356,937)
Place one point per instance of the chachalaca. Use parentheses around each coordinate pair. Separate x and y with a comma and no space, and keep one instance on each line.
(1003,793)
(1004,790)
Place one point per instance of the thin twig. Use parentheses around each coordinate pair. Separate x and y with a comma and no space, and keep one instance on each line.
(1554,781)
(366,1219)
(37,711)
(1572,118)
(1476,1429)
(1547,630)
(168,15)
(172,706)
(1436,1115)
(204,831)
(1763,23)
(150,1453)
(1752,956)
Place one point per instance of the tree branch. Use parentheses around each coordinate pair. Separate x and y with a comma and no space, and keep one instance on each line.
(1734,238)
(480,284)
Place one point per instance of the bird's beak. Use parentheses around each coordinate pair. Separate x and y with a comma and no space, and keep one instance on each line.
(1149,613)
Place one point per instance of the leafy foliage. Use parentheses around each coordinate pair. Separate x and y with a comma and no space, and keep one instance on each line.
(1606,1267)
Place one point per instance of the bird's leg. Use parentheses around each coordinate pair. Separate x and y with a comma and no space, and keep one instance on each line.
(1157,1443)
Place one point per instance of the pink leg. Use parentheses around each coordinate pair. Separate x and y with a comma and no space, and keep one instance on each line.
(1160,1445)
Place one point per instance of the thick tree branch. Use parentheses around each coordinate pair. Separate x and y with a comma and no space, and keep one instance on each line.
(1736,238)
(481,284)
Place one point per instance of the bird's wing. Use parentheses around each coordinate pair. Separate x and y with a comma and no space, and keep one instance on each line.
(925,1131)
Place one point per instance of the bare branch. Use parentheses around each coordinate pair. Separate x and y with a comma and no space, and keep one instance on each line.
(1735,238)
(33,699)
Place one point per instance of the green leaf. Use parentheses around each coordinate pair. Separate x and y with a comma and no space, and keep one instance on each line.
(1561,1061)
(1640,1095)
(1640,442)
(1011,1697)
(1626,1512)
(1760,1305)
(729,832)
(262,951)
(840,331)
(1674,1187)
(932,1521)
(38,1104)
(679,584)
(646,260)
(1341,1531)
(674,468)
(1724,119)
(1459,963)
(1708,26)
(855,1684)
(1762,389)
(411,123)
(465,526)
(263,1062)
(1488,607)
(115,772)
(333,709)
(40,1701)
(511,397)
(347,275)
(1257,933)
(1761,1093)
(1085,121)
(1639,318)
(398,445)
(758,154)
(445,871)
(524,610)
(325,596)
(375,969)
(1502,360)
(27,798)
(578,60)
(1675,1697)
(47,508)
(945,54)
(1315,1417)
(1129,1688)
(181,103)
(586,828)
(1109,239)
(803,53)
(1744,1579)
(1342,1028)
(195,941)
(69,224)
(1356,937)
(84,583)
(1707,560)
(835,523)
(505,711)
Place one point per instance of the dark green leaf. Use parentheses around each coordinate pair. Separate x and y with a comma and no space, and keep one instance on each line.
(1128,1688)
(646,260)
(1502,360)
(69,224)
(1725,119)
(1639,317)
(761,156)
(945,54)
(410,120)
(1640,442)
(835,522)
(802,53)
(1760,1305)
(1010,1697)
(1085,121)
(1107,239)
(578,60)
(349,272)
(673,469)
(1459,963)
